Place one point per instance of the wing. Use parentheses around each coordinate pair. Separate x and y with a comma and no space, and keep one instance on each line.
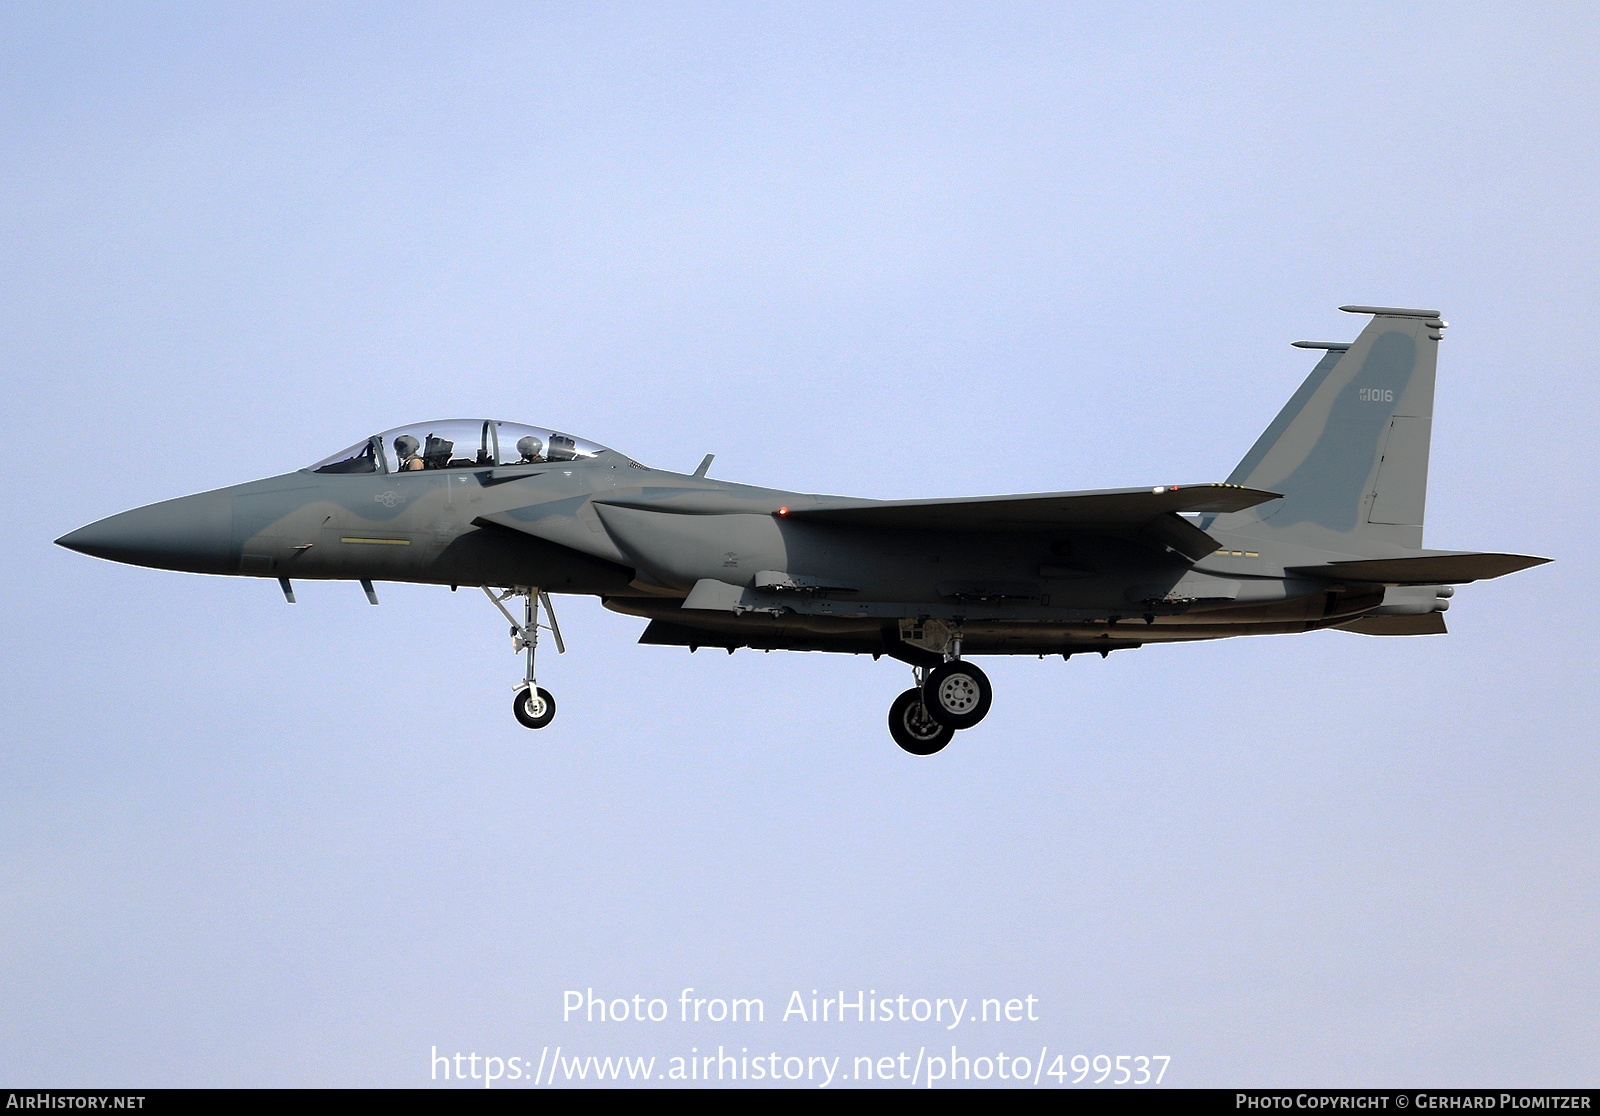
(1152,512)
(1120,507)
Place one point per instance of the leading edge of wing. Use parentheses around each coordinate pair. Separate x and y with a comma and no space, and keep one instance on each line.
(1113,506)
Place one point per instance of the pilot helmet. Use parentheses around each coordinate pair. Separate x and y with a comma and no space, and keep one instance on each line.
(529,447)
(406,445)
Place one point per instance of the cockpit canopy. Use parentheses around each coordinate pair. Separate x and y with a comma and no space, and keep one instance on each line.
(457,444)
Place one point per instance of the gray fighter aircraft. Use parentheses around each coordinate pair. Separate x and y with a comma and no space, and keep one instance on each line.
(1320,526)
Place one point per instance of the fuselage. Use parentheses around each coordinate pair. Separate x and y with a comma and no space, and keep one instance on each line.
(642,539)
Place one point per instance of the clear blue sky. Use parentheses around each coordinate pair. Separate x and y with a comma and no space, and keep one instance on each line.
(892,250)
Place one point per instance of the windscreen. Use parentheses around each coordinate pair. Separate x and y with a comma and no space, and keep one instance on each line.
(458,444)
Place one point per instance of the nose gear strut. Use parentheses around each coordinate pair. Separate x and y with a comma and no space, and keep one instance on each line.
(533,706)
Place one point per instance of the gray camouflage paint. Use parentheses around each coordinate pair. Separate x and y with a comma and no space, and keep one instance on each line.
(720,564)
(1326,451)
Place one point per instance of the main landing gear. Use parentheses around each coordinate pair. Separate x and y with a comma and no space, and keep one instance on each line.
(954,695)
(957,694)
(533,706)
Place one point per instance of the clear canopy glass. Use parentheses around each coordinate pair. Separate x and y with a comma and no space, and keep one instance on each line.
(458,444)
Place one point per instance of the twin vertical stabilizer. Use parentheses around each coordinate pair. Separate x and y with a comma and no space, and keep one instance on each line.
(1349,451)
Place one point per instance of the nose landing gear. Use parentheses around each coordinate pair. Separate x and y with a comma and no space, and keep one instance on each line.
(533,706)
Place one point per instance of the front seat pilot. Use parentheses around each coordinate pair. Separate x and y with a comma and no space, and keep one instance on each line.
(530,448)
(406,447)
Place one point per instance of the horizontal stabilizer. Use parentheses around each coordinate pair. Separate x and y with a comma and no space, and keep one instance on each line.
(1429,624)
(1441,567)
(1122,507)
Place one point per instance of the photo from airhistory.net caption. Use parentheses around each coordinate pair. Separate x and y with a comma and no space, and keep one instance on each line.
(842,1039)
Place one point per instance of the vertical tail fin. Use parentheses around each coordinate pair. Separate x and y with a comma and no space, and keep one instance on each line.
(1349,451)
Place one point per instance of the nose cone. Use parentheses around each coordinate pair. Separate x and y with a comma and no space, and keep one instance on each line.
(193,533)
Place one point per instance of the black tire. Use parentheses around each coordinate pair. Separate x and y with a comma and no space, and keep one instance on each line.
(542,713)
(913,729)
(957,694)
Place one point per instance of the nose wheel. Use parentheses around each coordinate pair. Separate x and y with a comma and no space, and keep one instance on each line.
(533,706)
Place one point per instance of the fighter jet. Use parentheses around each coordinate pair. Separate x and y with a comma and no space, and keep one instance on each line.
(1319,526)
